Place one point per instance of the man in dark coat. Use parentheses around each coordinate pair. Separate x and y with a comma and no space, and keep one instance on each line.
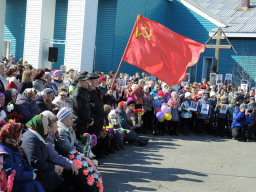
(81,106)
(96,101)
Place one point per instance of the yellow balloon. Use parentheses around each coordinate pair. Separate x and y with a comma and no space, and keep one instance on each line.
(167,116)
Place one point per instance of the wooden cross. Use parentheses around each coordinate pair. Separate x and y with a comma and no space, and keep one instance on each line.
(218,36)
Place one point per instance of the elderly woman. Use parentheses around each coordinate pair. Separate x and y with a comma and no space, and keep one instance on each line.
(50,140)
(26,104)
(57,79)
(60,100)
(24,179)
(67,134)
(124,122)
(138,93)
(34,146)
(41,99)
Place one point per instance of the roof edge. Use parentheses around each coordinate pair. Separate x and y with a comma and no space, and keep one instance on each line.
(204,15)
(243,35)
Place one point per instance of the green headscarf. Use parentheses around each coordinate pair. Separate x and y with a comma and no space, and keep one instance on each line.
(36,124)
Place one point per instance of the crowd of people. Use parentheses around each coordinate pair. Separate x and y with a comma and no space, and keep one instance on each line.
(44,114)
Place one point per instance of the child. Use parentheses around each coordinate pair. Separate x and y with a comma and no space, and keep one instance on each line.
(155,90)
(174,105)
(239,126)
(221,116)
(118,139)
(167,94)
(203,118)
(148,108)
(157,103)
(213,101)
(186,113)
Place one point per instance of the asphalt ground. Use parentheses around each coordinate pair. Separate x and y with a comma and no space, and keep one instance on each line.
(182,163)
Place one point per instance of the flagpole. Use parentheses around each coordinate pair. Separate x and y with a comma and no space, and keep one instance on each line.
(118,69)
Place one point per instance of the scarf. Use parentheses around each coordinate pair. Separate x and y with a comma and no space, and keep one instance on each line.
(10,134)
(36,124)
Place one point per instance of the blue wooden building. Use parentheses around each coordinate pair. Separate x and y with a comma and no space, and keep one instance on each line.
(95,38)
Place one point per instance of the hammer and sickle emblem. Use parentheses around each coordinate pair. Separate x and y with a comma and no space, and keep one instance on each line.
(146,35)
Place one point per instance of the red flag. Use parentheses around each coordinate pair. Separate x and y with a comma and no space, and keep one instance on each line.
(160,51)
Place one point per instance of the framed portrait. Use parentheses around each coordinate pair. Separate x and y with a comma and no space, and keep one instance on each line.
(228,78)
(193,106)
(219,79)
(212,79)
(205,109)
(224,108)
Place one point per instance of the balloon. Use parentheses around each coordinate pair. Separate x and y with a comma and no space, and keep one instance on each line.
(157,109)
(161,120)
(167,116)
(160,115)
(164,108)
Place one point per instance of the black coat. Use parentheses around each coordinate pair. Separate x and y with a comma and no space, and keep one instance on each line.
(81,110)
(37,156)
(24,86)
(41,105)
(96,101)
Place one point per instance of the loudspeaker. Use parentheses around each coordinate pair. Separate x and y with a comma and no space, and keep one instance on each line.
(53,54)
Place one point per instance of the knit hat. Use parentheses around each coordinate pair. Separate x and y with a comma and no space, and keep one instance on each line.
(48,74)
(63,113)
(203,87)
(47,113)
(212,94)
(173,93)
(101,79)
(121,104)
(160,93)
(130,101)
(57,72)
(187,94)
(252,98)
(3,152)
(243,106)
(146,87)
(12,85)
(39,73)
(163,86)
(134,86)
(224,97)
(46,91)
(112,113)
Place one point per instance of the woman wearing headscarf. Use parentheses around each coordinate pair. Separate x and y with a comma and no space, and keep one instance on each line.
(24,180)
(26,104)
(34,146)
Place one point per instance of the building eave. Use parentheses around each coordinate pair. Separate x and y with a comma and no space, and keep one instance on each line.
(204,15)
(241,35)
